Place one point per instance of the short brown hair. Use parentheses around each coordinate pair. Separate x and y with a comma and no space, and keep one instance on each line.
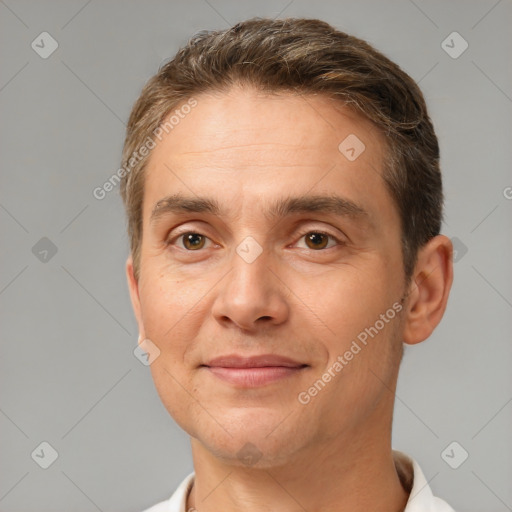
(305,56)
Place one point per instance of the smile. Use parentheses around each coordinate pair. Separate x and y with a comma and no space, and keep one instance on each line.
(254,377)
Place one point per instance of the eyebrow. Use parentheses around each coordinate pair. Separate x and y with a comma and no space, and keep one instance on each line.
(281,208)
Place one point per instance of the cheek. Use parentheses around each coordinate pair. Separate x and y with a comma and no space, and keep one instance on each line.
(349,299)
(171,322)
(362,309)
(168,316)
(165,300)
(177,393)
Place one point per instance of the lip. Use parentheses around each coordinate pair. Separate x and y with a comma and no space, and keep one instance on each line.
(260,361)
(254,371)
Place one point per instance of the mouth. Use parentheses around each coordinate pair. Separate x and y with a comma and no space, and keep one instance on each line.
(256,371)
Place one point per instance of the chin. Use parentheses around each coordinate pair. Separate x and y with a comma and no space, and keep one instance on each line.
(254,439)
(241,451)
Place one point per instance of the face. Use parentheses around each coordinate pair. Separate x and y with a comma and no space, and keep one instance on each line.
(262,236)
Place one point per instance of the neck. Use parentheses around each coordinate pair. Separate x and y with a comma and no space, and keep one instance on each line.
(354,476)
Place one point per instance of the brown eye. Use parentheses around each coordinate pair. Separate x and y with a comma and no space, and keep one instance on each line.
(193,241)
(316,240)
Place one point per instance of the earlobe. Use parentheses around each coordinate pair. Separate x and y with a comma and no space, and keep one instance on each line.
(133,286)
(429,289)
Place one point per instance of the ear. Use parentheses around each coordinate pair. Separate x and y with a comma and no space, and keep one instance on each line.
(429,289)
(133,286)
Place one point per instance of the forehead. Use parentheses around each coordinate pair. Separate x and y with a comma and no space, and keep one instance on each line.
(246,144)
(252,122)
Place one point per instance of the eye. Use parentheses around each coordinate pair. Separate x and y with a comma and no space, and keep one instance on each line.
(317,240)
(191,241)
(314,240)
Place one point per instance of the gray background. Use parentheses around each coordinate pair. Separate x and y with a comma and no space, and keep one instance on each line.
(68,374)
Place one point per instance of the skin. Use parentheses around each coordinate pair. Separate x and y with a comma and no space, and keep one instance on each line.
(245,150)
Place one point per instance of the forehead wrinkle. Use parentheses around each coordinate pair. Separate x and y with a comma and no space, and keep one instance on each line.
(258,145)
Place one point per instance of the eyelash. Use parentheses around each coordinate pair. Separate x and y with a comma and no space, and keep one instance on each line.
(339,243)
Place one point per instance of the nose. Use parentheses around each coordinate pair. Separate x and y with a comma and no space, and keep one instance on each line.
(252,296)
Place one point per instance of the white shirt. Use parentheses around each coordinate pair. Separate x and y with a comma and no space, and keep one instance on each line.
(420,499)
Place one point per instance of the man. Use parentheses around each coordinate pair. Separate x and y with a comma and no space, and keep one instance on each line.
(284,203)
